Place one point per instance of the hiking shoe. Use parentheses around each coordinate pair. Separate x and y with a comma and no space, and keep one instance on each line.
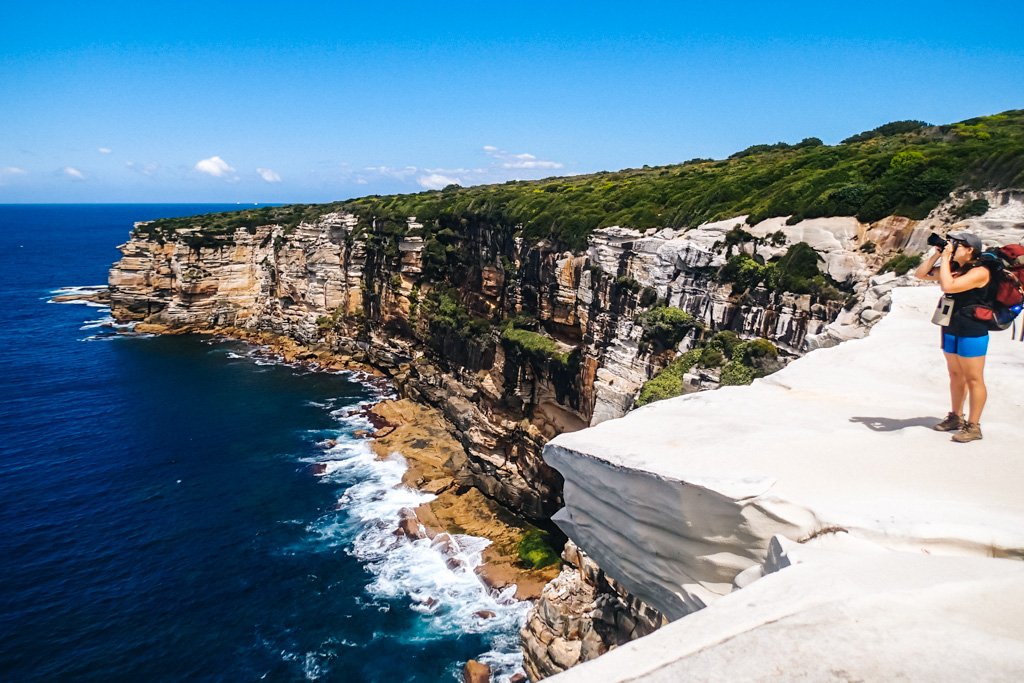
(952,423)
(971,432)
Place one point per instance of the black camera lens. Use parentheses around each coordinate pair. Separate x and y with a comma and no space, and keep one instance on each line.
(935,240)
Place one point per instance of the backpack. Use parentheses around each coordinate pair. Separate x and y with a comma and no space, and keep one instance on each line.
(1006,289)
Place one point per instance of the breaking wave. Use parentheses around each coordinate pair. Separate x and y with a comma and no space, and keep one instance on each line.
(436,575)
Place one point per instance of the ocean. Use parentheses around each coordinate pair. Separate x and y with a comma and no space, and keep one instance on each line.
(161,515)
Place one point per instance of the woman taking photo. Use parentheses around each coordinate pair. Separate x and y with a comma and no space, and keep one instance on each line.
(964,340)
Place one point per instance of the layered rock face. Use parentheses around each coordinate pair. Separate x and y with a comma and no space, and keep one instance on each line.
(331,283)
(581,615)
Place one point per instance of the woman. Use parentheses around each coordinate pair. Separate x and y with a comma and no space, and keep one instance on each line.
(964,340)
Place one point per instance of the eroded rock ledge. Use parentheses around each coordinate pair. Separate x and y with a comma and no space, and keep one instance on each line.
(680,501)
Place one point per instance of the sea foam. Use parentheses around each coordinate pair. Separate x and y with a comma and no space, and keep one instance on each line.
(437,575)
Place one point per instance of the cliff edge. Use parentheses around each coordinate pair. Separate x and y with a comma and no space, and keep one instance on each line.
(683,501)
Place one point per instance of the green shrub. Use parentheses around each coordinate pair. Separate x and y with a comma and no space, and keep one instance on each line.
(975,207)
(666,326)
(796,271)
(888,129)
(874,208)
(760,149)
(626,283)
(759,355)
(744,271)
(978,131)
(748,352)
(901,263)
(735,373)
(521,321)
(437,258)
(535,551)
(668,382)
(508,266)
(712,357)
(443,310)
(534,345)
(908,158)
(726,341)
(736,236)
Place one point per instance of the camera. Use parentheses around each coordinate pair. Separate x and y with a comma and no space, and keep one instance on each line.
(935,240)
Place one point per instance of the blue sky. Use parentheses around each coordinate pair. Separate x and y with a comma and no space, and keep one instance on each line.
(315,101)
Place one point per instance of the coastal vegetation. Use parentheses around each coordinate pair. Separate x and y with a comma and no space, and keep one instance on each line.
(445,312)
(901,263)
(534,345)
(740,362)
(796,271)
(904,168)
(669,382)
(535,550)
(666,326)
(974,207)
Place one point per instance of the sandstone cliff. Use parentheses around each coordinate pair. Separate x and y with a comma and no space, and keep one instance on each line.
(373,292)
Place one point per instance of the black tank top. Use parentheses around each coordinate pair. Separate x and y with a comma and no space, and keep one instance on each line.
(964,325)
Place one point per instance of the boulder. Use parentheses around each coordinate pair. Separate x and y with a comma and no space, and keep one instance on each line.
(476,672)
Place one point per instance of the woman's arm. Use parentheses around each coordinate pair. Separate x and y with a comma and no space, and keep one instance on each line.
(924,271)
(972,279)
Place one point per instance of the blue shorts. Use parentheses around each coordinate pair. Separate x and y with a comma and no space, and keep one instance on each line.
(965,347)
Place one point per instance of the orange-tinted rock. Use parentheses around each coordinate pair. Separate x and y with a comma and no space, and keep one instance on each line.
(476,672)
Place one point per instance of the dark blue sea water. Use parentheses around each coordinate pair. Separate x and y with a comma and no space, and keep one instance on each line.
(160,514)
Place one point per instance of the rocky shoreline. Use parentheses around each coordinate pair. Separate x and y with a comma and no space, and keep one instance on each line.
(420,435)
(423,437)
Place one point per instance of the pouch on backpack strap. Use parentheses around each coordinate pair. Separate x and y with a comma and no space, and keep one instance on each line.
(943,312)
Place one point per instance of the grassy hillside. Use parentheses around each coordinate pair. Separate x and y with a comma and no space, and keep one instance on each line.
(902,168)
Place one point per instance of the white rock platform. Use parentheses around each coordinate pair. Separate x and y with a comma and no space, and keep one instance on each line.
(676,499)
(842,616)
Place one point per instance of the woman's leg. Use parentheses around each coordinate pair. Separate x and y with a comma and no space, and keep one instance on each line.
(957,383)
(974,377)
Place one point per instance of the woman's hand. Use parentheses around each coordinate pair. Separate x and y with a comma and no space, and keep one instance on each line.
(929,263)
(947,251)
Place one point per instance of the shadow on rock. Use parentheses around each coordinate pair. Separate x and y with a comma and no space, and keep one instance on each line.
(890,424)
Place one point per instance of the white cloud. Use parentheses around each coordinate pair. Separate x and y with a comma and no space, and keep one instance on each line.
(216,167)
(523,160)
(403,173)
(453,171)
(104,150)
(437,181)
(502,166)
(269,175)
(145,169)
(9,172)
(74,173)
